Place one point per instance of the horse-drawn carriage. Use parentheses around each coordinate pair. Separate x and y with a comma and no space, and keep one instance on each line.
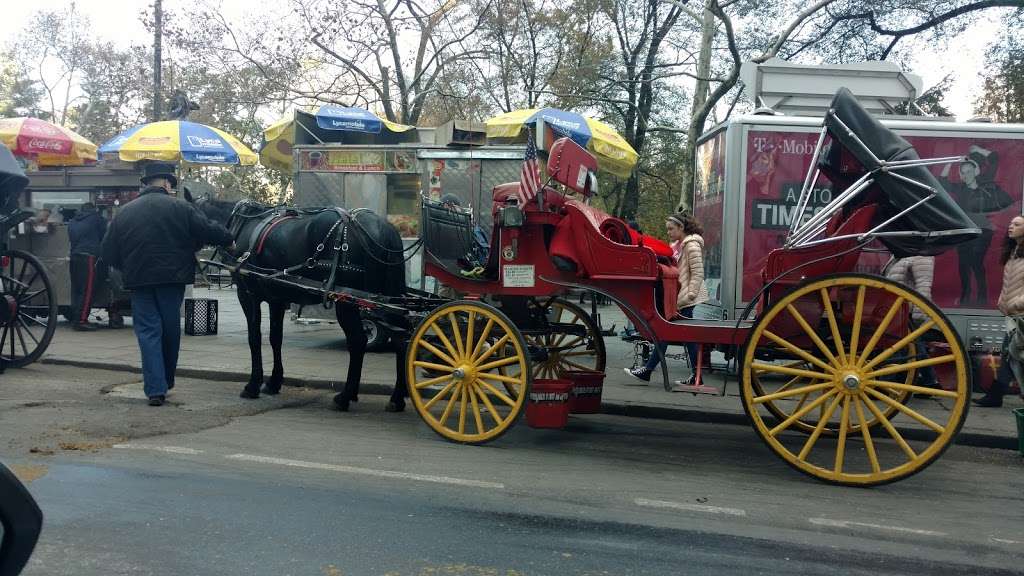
(28,310)
(827,369)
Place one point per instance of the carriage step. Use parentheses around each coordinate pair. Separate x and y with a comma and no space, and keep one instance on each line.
(695,388)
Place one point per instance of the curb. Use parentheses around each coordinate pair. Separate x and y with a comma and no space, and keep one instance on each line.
(628,409)
(224,376)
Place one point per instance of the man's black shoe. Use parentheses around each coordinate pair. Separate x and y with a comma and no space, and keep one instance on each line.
(989,401)
(83,327)
(156,400)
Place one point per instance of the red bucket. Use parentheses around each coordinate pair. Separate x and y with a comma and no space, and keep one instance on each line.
(587,386)
(945,372)
(549,403)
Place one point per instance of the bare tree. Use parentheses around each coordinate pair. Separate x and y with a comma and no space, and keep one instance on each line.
(55,46)
(394,52)
(535,48)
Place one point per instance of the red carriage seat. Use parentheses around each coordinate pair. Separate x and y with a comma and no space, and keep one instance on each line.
(670,290)
(578,239)
(784,262)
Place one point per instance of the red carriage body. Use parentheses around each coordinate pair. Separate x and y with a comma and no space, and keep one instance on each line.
(829,352)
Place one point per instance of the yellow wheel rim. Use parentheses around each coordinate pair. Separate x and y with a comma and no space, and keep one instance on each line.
(854,376)
(475,372)
(567,351)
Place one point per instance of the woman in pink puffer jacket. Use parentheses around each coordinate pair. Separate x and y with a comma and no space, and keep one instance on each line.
(688,250)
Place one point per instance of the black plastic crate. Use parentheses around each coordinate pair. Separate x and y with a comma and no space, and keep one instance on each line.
(200,316)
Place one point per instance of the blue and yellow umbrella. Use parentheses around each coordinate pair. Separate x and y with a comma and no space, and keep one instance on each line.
(612,151)
(177,141)
(329,123)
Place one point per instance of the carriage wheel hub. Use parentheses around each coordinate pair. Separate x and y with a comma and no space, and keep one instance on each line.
(851,382)
(462,373)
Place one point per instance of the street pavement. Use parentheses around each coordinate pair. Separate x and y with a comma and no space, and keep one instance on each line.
(210,485)
(314,356)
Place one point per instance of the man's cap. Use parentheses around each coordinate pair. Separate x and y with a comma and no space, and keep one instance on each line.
(159,170)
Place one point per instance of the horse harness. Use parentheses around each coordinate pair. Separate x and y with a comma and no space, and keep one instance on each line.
(336,240)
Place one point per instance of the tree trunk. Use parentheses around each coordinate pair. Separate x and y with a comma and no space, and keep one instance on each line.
(700,97)
(631,199)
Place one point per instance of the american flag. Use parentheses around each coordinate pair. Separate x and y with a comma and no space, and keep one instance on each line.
(529,178)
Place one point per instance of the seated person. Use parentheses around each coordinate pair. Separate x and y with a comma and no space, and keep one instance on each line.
(688,251)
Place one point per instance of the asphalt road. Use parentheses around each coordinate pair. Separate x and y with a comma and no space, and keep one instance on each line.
(288,486)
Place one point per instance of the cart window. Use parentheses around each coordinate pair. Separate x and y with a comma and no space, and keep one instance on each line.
(404,203)
(709,184)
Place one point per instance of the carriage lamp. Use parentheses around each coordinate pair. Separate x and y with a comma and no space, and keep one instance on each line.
(511,216)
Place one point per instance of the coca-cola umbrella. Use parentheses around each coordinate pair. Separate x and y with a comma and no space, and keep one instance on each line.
(46,143)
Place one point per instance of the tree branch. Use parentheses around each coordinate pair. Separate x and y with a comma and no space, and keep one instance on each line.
(784,35)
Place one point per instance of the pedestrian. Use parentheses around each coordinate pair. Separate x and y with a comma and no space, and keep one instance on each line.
(85,232)
(684,231)
(917,272)
(152,241)
(41,222)
(1011,303)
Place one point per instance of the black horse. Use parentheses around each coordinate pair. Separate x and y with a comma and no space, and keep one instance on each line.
(332,248)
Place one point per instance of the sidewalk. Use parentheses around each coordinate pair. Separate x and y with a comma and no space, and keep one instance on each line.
(314,355)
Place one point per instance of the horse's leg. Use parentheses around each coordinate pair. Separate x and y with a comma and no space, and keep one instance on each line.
(397,401)
(251,308)
(277,310)
(351,322)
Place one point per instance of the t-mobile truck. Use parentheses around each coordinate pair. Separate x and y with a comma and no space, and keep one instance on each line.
(750,170)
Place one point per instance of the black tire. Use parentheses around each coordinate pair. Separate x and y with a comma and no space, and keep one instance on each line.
(376,336)
(26,336)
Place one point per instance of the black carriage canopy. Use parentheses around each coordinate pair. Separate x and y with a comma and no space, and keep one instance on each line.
(12,177)
(937,224)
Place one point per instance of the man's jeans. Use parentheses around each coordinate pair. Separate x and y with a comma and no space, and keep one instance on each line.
(156,317)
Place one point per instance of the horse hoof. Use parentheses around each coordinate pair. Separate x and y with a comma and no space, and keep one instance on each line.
(272,391)
(394,407)
(341,403)
(249,395)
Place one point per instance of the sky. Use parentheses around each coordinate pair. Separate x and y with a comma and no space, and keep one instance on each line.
(118,21)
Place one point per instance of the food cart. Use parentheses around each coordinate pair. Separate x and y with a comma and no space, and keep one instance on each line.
(62,192)
(391,179)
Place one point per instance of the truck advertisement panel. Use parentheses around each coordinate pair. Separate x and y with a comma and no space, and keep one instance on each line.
(708,196)
(989,186)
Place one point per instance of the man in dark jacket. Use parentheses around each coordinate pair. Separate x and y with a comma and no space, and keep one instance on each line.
(85,231)
(153,240)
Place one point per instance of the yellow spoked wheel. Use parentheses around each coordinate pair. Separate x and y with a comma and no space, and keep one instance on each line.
(568,350)
(783,406)
(476,372)
(855,349)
